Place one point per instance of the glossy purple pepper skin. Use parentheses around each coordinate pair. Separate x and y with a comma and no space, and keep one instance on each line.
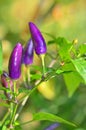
(28,51)
(15,62)
(38,40)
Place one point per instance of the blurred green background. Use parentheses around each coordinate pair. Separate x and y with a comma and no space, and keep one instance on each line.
(65,18)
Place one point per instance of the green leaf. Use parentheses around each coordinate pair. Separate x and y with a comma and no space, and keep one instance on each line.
(72,79)
(4,104)
(18,127)
(0,123)
(50,117)
(36,67)
(82,49)
(59,71)
(3,88)
(1,58)
(80,66)
(2,96)
(16,123)
(4,128)
(50,35)
(35,76)
(23,90)
(51,42)
(64,48)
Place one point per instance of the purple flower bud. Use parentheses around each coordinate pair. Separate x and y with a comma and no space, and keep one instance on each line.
(7,84)
(15,62)
(38,40)
(4,81)
(27,57)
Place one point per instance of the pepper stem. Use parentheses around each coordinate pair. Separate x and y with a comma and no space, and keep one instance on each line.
(28,76)
(14,85)
(43,63)
(26,98)
(5,117)
(23,72)
(28,72)
(21,107)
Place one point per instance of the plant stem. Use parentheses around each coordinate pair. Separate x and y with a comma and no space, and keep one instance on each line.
(14,85)
(52,63)
(31,91)
(43,63)
(20,109)
(28,76)
(14,112)
(26,98)
(11,112)
(4,118)
(13,108)
(28,73)
(24,123)
(23,72)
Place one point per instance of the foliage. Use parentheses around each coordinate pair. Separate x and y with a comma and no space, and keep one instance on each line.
(64,73)
(71,65)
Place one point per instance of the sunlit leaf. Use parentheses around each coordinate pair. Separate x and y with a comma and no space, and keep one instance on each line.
(50,117)
(59,71)
(80,66)
(36,67)
(4,104)
(82,49)
(72,79)
(4,127)
(64,48)
(35,76)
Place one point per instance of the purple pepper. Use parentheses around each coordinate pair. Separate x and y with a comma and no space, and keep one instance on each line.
(38,40)
(15,62)
(28,51)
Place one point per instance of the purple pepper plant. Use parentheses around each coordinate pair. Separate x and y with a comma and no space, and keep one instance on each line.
(68,61)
